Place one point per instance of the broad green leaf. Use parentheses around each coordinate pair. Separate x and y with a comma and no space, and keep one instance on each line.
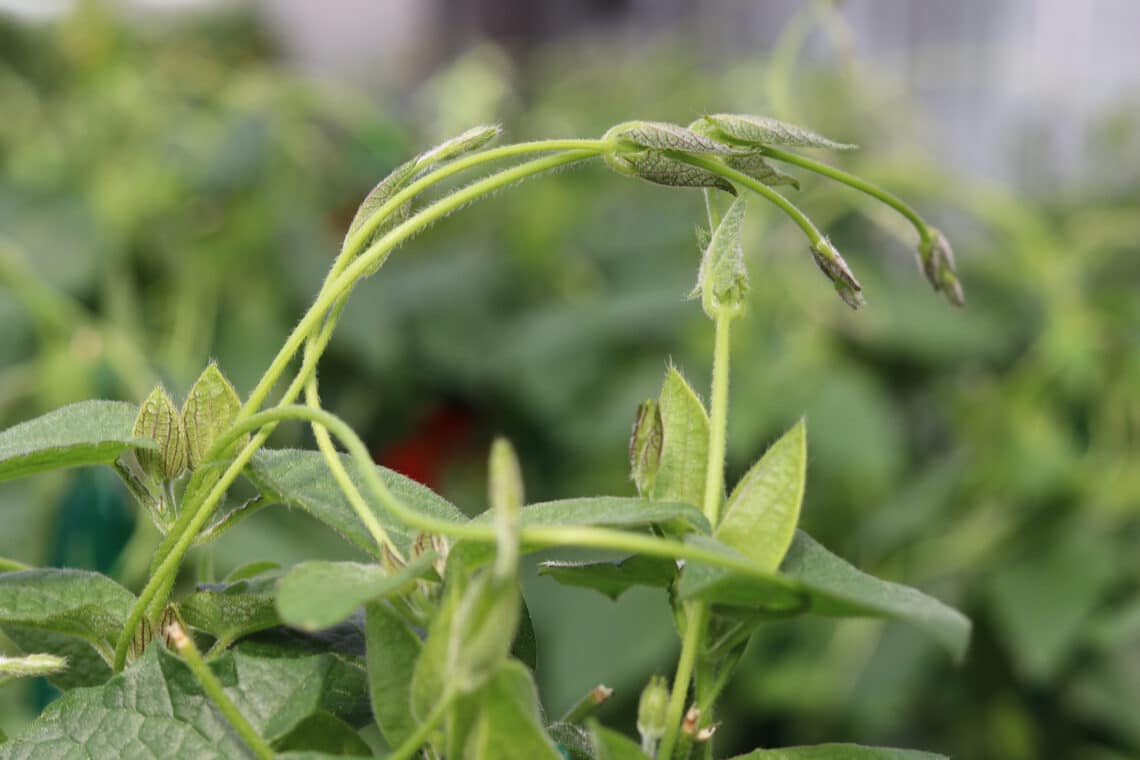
(302,479)
(75,603)
(613,577)
(230,611)
(508,725)
(763,511)
(393,648)
(323,732)
(315,595)
(610,745)
(827,586)
(684,444)
(610,511)
(742,129)
(156,709)
(839,752)
(90,432)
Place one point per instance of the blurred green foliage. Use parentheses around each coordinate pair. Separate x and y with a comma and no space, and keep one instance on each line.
(169,194)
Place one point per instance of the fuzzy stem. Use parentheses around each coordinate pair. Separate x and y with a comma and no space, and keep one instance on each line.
(213,688)
(696,619)
(858,183)
(718,421)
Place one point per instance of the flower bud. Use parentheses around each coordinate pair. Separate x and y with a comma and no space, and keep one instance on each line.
(832,264)
(653,711)
(159,421)
(936,261)
(645,447)
(209,411)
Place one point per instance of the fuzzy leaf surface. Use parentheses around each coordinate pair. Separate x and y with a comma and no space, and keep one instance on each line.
(764,508)
(508,725)
(613,577)
(610,511)
(89,432)
(610,745)
(393,648)
(838,752)
(829,586)
(230,611)
(764,130)
(301,479)
(684,443)
(156,709)
(316,595)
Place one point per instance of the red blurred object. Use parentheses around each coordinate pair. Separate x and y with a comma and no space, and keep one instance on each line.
(425,454)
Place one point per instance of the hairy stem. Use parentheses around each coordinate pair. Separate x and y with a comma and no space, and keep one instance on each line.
(214,690)
(858,183)
(718,422)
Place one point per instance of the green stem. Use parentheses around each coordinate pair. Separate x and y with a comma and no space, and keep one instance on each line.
(423,730)
(697,613)
(12,566)
(190,522)
(858,183)
(213,688)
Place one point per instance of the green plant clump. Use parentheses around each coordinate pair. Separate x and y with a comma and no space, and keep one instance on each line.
(430,641)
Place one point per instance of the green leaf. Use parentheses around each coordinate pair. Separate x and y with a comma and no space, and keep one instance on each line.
(660,169)
(525,646)
(684,444)
(610,511)
(827,586)
(645,447)
(302,479)
(613,577)
(470,140)
(230,611)
(323,732)
(663,136)
(483,631)
(574,742)
(722,281)
(757,167)
(610,745)
(393,649)
(838,752)
(508,725)
(315,595)
(90,432)
(75,603)
(763,130)
(156,709)
(763,511)
(377,197)
(251,569)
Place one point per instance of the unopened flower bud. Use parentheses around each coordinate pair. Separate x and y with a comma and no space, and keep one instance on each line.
(936,261)
(645,447)
(158,420)
(829,261)
(653,711)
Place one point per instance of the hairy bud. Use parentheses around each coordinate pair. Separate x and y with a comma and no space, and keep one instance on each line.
(832,264)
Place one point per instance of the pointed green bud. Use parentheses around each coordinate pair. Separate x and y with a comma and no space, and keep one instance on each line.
(829,261)
(483,630)
(31,666)
(645,447)
(653,713)
(742,129)
(723,280)
(158,420)
(505,491)
(209,411)
(470,140)
(936,260)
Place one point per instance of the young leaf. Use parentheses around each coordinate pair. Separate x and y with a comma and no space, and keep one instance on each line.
(158,420)
(470,140)
(429,680)
(663,136)
(828,586)
(75,603)
(839,752)
(739,129)
(508,725)
(723,280)
(316,595)
(764,508)
(209,411)
(377,197)
(156,708)
(505,493)
(302,479)
(230,611)
(483,631)
(661,169)
(684,443)
(393,648)
(322,732)
(757,167)
(613,577)
(90,432)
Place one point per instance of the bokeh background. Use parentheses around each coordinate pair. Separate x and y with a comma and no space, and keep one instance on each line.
(175,177)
